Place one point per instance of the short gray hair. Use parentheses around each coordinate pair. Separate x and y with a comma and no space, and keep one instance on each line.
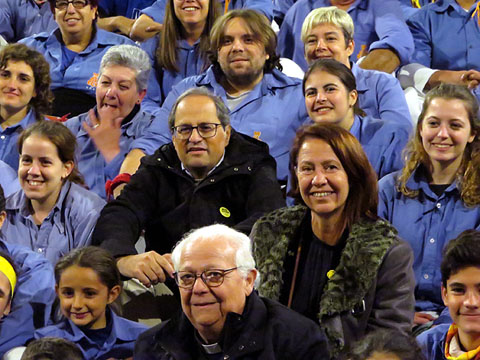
(329,15)
(132,57)
(240,242)
(222,110)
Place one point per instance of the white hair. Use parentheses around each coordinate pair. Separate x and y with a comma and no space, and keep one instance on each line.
(244,260)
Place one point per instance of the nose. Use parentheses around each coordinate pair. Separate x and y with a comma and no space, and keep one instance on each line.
(321,44)
(320,97)
(319,178)
(111,92)
(199,286)
(34,169)
(237,45)
(443,131)
(195,136)
(472,299)
(70,8)
(77,302)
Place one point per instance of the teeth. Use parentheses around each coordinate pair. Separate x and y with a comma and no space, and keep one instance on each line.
(442,145)
(321,194)
(190,9)
(34,183)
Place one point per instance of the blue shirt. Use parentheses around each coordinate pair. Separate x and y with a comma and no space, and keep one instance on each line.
(8,179)
(271,112)
(119,344)
(382,141)
(82,74)
(90,161)
(265,7)
(9,137)
(446,36)
(432,342)
(280,8)
(378,24)
(161,80)
(68,226)
(128,8)
(427,222)
(381,96)
(22,18)
(33,297)
(409,8)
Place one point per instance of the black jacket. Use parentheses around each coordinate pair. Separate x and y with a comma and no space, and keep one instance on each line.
(266,330)
(166,202)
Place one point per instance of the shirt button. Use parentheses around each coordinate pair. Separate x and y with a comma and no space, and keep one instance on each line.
(235,169)
(439,205)
(226,357)
(2,137)
(241,347)
(40,250)
(212,180)
(432,241)
(425,276)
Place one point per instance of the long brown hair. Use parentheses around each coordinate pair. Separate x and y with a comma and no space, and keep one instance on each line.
(167,53)
(468,174)
(362,200)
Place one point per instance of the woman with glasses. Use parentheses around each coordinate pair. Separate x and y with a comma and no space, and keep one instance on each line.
(74,52)
(332,259)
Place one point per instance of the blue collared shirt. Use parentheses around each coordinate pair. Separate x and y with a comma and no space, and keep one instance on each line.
(128,8)
(90,161)
(8,179)
(33,297)
(162,80)
(265,7)
(9,137)
(271,112)
(23,18)
(409,9)
(119,344)
(432,342)
(446,36)
(378,24)
(82,73)
(381,96)
(68,226)
(382,141)
(427,222)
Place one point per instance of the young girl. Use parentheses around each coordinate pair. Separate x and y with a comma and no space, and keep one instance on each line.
(87,281)
(52,214)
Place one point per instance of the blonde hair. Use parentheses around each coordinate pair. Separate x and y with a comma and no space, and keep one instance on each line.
(331,15)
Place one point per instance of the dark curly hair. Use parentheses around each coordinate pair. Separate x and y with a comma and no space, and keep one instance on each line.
(42,101)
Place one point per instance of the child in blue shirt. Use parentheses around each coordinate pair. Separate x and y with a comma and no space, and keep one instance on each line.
(460,270)
(87,282)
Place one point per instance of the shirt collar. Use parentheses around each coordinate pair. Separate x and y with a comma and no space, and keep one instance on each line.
(418,181)
(29,119)
(219,162)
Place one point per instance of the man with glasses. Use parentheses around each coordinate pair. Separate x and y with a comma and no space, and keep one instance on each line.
(223,317)
(208,174)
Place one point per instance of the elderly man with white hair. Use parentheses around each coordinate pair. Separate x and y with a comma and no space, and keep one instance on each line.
(223,317)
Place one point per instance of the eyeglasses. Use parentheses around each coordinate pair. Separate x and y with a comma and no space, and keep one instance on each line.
(211,277)
(77,4)
(205,130)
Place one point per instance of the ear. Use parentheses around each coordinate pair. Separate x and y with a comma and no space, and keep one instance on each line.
(444,296)
(7,309)
(350,47)
(472,137)
(228,132)
(56,289)
(68,168)
(3,215)
(352,98)
(250,281)
(141,95)
(113,293)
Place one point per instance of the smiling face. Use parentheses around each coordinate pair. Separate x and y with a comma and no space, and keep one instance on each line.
(322,180)
(40,171)
(84,298)
(328,100)
(445,131)
(17,86)
(197,154)
(241,55)
(75,22)
(327,41)
(462,296)
(191,12)
(117,91)
(205,307)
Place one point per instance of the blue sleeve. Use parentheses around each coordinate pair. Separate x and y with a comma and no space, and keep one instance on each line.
(386,193)
(286,37)
(153,100)
(392,157)
(419,28)
(108,7)
(84,217)
(156,11)
(32,300)
(391,101)
(263,6)
(392,30)
(280,8)
(7,19)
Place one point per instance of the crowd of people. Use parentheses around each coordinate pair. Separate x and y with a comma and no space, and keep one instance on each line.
(286,179)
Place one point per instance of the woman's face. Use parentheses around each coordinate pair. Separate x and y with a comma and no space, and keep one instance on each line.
(76,18)
(328,100)
(322,180)
(191,12)
(446,131)
(17,86)
(40,171)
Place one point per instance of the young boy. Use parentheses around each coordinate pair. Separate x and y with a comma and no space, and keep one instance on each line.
(461,293)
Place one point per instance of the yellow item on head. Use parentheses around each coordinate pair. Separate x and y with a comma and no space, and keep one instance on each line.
(7,269)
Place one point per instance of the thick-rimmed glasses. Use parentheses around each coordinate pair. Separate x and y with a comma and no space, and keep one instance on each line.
(205,130)
(211,277)
(77,4)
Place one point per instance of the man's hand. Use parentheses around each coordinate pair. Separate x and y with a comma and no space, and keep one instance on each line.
(382,60)
(470,78)
(120,24)
(144,28)
(149,268)
(105,134)
(422,318)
